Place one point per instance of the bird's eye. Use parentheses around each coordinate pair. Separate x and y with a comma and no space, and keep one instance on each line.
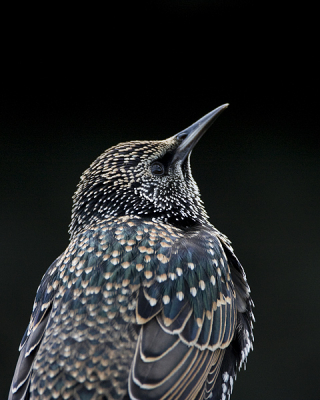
(157,168)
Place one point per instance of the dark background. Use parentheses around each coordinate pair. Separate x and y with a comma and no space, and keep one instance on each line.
(74,82)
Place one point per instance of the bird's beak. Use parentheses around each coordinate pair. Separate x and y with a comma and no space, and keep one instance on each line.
(189,137)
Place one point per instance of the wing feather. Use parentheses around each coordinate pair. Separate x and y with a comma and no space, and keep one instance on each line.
(22,374)
(166,368)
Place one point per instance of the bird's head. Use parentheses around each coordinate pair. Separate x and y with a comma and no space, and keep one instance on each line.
(151,179)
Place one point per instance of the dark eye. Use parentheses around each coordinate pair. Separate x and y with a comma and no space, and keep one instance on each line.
(157,168)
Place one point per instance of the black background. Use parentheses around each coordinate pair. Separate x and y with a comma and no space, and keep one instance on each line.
(74,82)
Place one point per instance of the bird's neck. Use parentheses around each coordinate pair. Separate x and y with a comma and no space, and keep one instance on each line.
(83,217)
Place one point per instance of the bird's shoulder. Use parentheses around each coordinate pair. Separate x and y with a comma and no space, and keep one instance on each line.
(165,266)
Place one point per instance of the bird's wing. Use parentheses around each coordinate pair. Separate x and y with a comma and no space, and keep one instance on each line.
(164,367)
(33,335)
(188,318)
(236,353)
(244,305)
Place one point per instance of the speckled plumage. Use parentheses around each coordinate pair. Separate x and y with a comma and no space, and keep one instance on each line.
(148,301)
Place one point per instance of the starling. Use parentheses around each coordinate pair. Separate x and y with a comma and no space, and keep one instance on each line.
(148,301)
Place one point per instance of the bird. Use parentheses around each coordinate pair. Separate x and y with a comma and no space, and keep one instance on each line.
(149,300)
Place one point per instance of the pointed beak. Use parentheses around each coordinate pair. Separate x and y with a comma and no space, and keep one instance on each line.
(189,137)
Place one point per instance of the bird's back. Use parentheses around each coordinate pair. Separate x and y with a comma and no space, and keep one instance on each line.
(131,295)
